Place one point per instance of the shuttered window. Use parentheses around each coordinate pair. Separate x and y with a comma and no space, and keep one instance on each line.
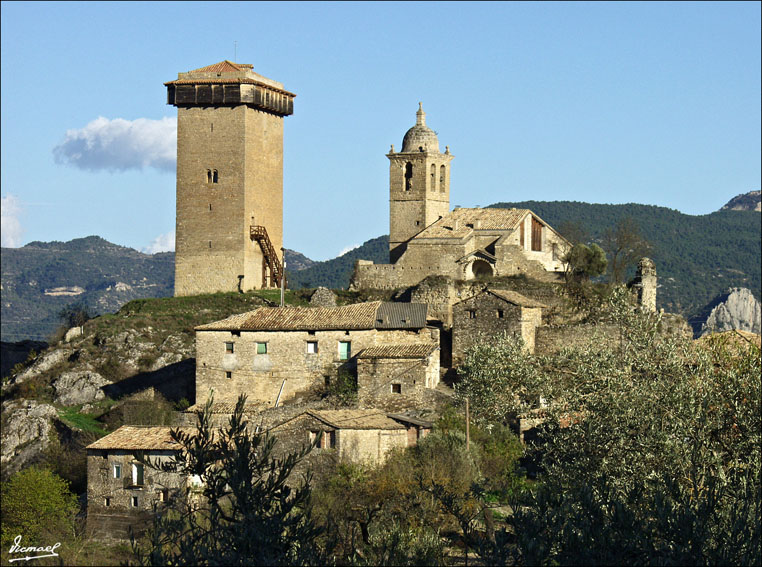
(345,350)
(536,235)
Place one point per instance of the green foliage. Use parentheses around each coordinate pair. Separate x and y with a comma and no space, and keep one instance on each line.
(37,504)
(586,262)
(72,417)
(342,388)
(650,451)
(76,314)
(246,511)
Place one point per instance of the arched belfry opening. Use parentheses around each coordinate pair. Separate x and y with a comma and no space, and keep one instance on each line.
(481,269)
(408,176)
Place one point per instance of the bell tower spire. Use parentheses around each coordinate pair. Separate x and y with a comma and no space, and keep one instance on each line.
(419,185)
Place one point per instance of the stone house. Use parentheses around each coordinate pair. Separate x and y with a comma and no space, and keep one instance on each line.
(273,353)
(121,491)
(490,313)
(354,435)
(426,238)
(397,375)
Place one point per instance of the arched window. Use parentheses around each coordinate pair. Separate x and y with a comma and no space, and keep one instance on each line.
(408,176)
(433,177)
(208,175)
(215,177)
(442,178)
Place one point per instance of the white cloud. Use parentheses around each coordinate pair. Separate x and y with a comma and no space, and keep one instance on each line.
(10,229)
(119,144)
(162,243)
(348,249)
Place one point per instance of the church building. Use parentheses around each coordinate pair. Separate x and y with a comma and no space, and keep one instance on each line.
(426,238)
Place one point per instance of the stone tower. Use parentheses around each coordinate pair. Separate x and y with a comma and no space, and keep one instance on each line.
(419,185)
(644,285)
(229,178)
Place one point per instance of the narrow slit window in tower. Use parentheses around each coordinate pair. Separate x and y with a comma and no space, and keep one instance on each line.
(408,176)
(433,177)
(442,178)
(208,175)
(215,176)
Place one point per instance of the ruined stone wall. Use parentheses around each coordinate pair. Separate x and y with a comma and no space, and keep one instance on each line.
(213,245)
(260,376)
(441,293)
(477,319)
(393,383)
(551,339)
(113,520)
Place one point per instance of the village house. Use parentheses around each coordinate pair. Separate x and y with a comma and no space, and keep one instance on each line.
(426,238)
(353,435)
(490,313)
(121,491)
(272,353)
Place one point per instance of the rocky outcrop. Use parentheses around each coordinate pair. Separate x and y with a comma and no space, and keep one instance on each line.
(74,388)
(751,201)
(27,429)
(735,309)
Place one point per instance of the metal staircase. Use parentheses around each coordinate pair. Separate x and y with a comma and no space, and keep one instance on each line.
(271,261)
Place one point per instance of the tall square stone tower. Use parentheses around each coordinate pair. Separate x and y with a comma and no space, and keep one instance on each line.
(419,185)
(229,228)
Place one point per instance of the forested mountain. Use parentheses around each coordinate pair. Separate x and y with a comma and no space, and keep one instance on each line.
(335,273)
(41,278)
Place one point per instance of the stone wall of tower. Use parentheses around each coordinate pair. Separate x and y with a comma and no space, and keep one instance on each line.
(416,203)
(213,245)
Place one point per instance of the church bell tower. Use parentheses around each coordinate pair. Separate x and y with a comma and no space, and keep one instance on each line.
(419,185)
(229,226)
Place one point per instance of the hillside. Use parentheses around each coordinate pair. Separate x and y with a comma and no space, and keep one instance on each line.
(335,273)
(41,278)
(697,257)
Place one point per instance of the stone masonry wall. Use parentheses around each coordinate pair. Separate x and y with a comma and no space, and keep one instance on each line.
(113,520)
(376,377)
(213,245)
(260,375)
(551,339)
(485,322)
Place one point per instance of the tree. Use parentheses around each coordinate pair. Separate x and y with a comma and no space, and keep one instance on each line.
(37,504)
(651,451)
(75,314)
(585,262)
(625,247)
(246,511)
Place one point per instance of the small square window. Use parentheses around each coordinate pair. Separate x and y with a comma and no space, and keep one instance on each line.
(134,501)
(107,502)
(471,313)
(163,495)
(500,314)
(228,374)
(261,348)
(117,471)
(396,388)
(235,333)
(229,348)
(312,347)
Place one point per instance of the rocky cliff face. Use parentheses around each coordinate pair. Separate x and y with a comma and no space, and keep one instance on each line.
(751,201)
(735,309)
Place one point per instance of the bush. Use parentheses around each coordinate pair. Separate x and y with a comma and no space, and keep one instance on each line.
(37,504)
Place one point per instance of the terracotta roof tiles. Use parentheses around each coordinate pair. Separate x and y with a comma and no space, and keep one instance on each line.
(415,350)
(137,438)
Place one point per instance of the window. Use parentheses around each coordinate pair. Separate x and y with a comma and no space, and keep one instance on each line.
(325,439)
(117,471)
(163,495)
(229,348)
(134,501)
(345,350)
(215,176)
(312,347)
(500,313)
(408,176)
(261,348)
(107,502)
(536,235)
(433,177)
(442,178)
(396,388)
(471,313)
(236,333)
(228,374)
(208,175)
(137,474)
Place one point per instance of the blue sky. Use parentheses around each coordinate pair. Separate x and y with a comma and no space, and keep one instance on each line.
(655,103)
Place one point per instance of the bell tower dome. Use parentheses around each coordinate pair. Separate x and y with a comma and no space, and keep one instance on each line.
(419,185)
